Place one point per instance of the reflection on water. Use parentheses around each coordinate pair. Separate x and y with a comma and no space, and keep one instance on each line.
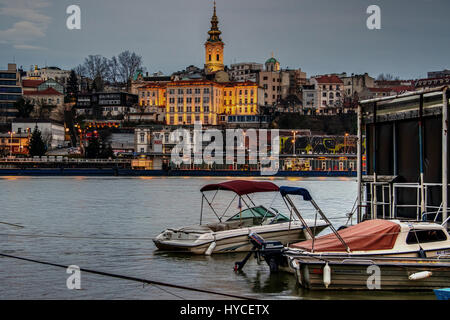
(107,224)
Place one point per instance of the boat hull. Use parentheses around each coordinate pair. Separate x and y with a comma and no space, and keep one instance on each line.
(235,240)
(373,274)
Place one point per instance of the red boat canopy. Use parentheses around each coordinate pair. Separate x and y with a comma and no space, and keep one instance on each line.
(242,187)
(365,236)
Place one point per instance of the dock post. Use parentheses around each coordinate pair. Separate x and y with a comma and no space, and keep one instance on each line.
(423,204)
(359,164)
(444,154)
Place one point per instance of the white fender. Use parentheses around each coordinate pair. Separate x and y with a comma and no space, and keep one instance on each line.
(326,275)
(420,275)
(211,248)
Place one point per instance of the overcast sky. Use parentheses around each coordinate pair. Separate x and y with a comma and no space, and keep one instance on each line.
(319,36)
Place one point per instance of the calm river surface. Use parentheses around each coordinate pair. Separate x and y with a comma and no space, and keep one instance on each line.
(65,218)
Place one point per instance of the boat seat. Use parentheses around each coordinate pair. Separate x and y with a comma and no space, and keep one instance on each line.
(223,226)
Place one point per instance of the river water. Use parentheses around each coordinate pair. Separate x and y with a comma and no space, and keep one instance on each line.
(106,224)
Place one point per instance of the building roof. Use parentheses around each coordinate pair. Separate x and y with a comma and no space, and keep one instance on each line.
(30,120)
(380,89)
(272,60)
(31,83)
(329,79)
(46,92)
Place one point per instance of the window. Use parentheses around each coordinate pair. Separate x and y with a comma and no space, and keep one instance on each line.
(197,108)
(180,91)
(180,109)
(180,119)
(206,108)
(206,90)
(209,57)
(142,137)
(180,100)
(217,57)
(189,91)
(425,236)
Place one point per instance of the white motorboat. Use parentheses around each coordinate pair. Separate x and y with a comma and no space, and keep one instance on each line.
(231,235)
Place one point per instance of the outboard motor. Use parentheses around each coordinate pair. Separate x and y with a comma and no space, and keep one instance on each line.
(271,251)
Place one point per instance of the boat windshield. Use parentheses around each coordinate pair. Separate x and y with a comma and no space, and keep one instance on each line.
(259,213)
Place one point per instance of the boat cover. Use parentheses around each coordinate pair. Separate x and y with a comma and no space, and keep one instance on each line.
(365,236)
(242,187)
(296,191)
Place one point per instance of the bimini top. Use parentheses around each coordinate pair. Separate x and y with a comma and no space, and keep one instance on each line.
(242,187)
(296,191)
(365,236)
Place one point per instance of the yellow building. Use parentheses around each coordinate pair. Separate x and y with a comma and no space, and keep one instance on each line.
(240,98)
(152,95)
(191,101)
(214,47)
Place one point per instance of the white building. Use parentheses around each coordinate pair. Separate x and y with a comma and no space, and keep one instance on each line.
(55,73)
(245,71)
(329,93)
(52,131)
(309,95)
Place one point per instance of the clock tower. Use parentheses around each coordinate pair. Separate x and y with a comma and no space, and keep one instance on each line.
(214,47)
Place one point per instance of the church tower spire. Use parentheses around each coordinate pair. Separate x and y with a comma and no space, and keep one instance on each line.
(214,46)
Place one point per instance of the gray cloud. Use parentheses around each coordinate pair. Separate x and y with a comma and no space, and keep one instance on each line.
(30,22)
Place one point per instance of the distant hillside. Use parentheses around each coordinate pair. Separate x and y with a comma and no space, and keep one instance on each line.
(333,125)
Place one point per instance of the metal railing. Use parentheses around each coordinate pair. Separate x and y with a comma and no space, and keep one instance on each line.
(61,159)
(390,204)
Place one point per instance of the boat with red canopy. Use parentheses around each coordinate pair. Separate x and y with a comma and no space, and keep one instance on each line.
(230,233)
(374,254)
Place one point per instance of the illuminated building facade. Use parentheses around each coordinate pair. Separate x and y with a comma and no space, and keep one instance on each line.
(208,99)
(191,101)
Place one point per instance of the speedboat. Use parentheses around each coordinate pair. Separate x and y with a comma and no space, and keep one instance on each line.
(374,254)
(231,235)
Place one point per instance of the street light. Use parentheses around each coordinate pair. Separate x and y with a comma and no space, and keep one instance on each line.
(10,143)
(293,141)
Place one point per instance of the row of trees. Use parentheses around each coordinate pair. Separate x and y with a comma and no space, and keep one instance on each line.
(40,110)
(97,148)
(116,70)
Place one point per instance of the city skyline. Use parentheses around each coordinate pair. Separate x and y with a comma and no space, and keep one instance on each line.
(302,34)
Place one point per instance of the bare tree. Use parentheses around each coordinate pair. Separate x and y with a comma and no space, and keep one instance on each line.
(113,70)
(94,66)
(387,77)
(129,63)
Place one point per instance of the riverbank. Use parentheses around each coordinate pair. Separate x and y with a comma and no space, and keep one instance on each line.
(159,173)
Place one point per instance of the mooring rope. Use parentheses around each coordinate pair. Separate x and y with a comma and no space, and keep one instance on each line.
(136,279)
